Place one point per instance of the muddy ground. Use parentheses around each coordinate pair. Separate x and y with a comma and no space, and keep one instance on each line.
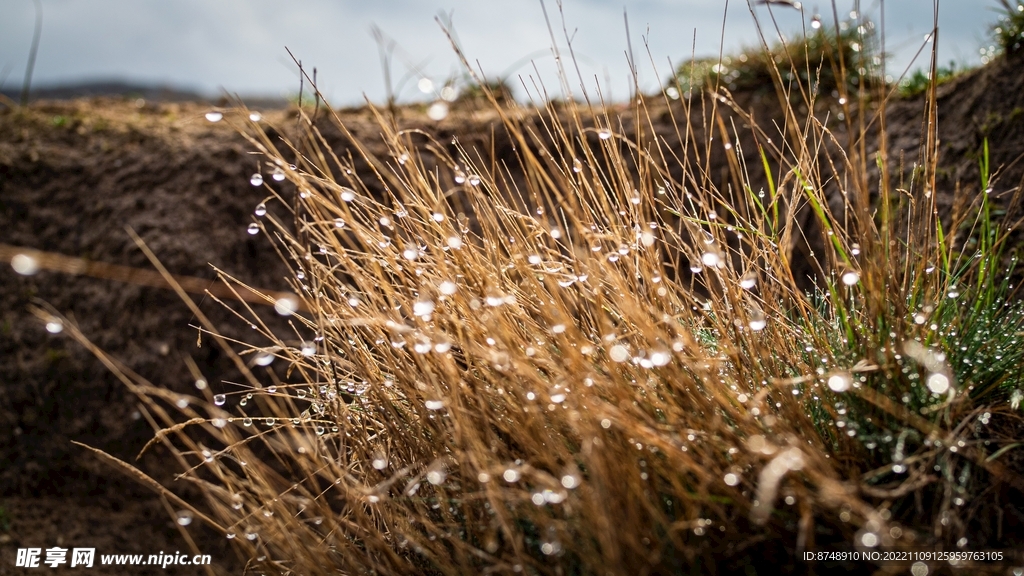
(75,174)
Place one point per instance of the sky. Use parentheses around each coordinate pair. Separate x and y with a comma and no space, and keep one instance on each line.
(239,46)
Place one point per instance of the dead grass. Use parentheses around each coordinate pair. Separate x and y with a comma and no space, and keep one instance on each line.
(579,364)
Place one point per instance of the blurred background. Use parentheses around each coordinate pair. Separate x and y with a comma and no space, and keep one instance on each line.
(360,48)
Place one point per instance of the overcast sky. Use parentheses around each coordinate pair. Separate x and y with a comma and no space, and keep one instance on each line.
(238,46)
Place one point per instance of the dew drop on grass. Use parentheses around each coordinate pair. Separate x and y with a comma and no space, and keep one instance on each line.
(423,307)
(253,229)
(256,179)
(434,404)
(410,253)
(219,399)
(474,180)
(183,517)
(214,116)
(604,134)
(380,463)
(696,267)
(511,475)
(850,277)
(261,209)
(436,477)
(447,287)
(748,280)
(660,357)
(24,264)
(839,382)
(710,259)
(277,175)
(816,22)
(454,242)
(255,116)
(731,479)
(348,194)
(618,353)
(757,321)
(55,326)
(426,85)
(286,305)
(938,383)
(264,359)
(246,422)
(577,166)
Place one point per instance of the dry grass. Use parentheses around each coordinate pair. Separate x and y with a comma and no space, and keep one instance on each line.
(580,364)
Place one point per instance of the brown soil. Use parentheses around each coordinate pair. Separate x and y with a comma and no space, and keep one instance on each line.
(74,174)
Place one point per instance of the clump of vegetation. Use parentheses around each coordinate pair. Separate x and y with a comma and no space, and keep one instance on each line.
(827,56)
(1009,31)
(579,363)
(920,80)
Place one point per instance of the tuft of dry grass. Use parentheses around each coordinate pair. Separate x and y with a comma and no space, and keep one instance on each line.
(598,359)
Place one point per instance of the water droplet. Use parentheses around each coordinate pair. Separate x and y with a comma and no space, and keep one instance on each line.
(436,477)
(938,383)
(660,357)
(183,517)
(423,307)
(434,404)
(246,422)
(256,179)
(286,305)
(447,287)
(438,111)
(570,481)
(731,479)
(474,180)
(758,320)
(511,475)
(426,85)
(380,463)
(748,280)
(277,174)
(255,116)
(214,116)
(454,242)
(869,539)
(253,229)
(618,353)
(850,277)
(55,326)
(261,209)
(816,22)
(348,194)
(710,259)
(696,267)
(219,399)
(24,264)
(577,166)
(604,134)
(839,382)
(410,253)
(264,359)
